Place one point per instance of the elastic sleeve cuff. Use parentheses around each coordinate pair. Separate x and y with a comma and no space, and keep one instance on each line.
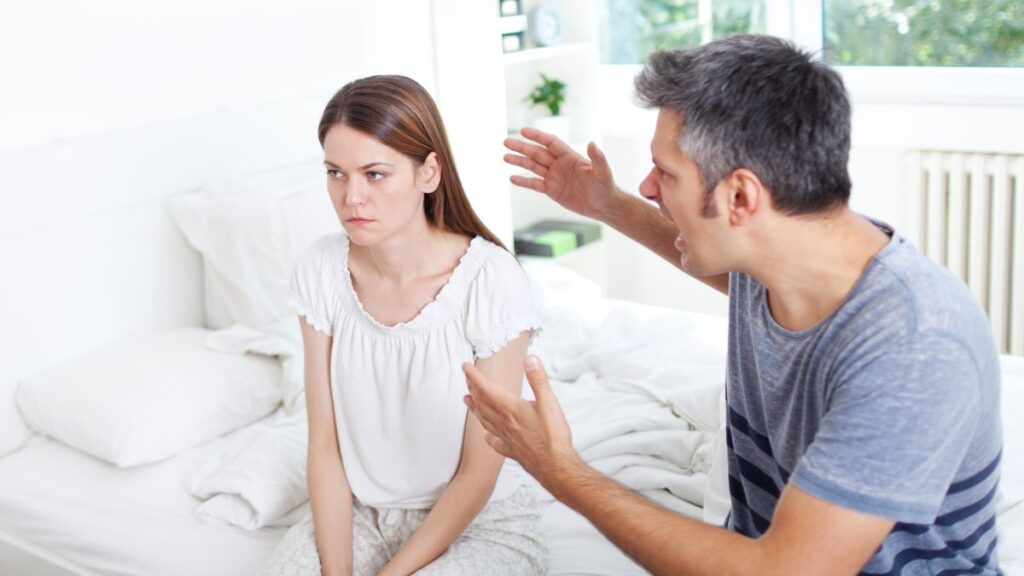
(318,323)
(499,337)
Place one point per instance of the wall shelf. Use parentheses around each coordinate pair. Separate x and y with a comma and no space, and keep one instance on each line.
(538,54)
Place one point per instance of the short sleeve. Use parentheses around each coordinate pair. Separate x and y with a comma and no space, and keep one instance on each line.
(311,294)
(896,430)
(500,305)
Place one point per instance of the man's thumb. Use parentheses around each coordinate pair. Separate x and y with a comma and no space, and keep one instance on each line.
(599,162)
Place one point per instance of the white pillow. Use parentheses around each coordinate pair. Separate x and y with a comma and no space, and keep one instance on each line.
(149,397)
(249,233)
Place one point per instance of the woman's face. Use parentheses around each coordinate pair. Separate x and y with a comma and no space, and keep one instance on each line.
(376,191)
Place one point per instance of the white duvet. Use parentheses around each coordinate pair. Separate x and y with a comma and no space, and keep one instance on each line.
(642,395)
(257,478)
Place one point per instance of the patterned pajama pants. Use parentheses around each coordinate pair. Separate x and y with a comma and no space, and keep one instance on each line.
(504,540)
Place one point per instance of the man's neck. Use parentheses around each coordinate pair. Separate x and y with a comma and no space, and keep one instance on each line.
(809,266)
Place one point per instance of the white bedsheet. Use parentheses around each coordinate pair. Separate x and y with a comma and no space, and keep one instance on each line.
(256,479)
(113,521)
(140,521)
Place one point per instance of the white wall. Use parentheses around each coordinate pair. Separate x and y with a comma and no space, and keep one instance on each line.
(471,96)
(109,107)
(107,65)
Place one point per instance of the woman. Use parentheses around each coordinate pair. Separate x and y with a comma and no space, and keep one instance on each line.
(400,478)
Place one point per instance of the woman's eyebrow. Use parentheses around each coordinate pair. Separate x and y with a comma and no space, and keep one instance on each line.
(330,164)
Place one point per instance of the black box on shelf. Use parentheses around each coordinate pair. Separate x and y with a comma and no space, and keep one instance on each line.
(552,238)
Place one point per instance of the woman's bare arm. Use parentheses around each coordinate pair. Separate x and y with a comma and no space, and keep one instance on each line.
(329,493)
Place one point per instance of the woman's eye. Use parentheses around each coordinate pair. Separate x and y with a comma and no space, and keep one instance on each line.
(374,176)
(334,173)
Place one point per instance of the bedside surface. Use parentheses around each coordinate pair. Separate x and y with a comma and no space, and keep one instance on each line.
(16,561)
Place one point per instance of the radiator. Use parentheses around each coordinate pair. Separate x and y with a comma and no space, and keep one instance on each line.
(967,213)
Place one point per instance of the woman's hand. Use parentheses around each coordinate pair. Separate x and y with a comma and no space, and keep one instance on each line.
(581,185)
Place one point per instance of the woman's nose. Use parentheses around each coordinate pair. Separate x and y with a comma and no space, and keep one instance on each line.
(355,195)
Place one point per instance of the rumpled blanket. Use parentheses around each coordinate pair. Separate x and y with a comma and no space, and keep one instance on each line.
(642,389)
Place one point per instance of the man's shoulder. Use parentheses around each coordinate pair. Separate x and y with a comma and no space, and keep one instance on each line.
(903,285)
(909,306)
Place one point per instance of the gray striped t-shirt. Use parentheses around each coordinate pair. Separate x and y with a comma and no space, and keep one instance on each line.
(890,406)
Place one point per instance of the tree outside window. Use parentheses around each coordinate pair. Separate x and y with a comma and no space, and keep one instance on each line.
(961,33)
(924,32)
(637,28)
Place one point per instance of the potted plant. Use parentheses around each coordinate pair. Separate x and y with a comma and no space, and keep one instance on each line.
(549,94)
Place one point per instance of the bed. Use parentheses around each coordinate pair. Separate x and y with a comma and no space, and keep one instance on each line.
(103,519)
(614,370)
(641,386)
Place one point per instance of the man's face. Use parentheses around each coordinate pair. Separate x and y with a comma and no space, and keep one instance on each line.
(674,185)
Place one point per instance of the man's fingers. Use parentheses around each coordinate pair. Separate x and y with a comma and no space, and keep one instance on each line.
(534,152)
(487,424)
(537,377)
(524,162)
(497,444)
(535,184)
(488,402)
(549,141)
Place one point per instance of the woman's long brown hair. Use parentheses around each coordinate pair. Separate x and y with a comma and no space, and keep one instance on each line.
(399,113)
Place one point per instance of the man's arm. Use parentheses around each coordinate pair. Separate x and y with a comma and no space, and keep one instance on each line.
(586,187)
(807,536)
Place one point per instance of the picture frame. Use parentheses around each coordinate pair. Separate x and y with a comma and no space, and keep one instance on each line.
(512,42)
(510,7)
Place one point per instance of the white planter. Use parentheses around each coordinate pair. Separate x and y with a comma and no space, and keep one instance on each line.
(559,126)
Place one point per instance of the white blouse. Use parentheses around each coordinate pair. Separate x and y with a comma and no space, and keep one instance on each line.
(397,390)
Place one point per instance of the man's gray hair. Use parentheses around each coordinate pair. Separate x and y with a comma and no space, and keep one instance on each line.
(757,102)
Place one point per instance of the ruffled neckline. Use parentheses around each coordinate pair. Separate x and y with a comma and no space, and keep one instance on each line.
(442,301)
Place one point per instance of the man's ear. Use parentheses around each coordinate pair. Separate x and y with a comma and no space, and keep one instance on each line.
(747,196)
(428,174)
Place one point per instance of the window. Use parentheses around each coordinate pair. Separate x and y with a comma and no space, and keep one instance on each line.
(921,73)
(633,29)
(959,33)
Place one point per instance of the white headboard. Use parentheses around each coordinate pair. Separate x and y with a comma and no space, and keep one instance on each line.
(88,252)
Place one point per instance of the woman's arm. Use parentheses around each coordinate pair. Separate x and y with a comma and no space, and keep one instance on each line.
(473,483)
(329,493)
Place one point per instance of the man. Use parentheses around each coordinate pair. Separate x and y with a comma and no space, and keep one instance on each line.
(862,383)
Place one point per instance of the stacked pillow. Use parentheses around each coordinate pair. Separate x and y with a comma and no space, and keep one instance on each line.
(250,232)
(149,397)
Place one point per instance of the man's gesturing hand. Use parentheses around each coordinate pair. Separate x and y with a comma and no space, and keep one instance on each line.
(535,434)
(581,185)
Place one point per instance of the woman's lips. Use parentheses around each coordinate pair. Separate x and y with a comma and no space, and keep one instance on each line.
(359,220)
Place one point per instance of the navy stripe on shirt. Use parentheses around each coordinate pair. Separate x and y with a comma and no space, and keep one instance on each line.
(913,554)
